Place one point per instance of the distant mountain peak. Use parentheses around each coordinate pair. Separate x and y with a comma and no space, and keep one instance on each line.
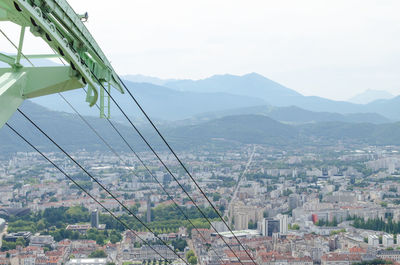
(254,74)
(251,84)
(370,95)
(248,75)
(138,78)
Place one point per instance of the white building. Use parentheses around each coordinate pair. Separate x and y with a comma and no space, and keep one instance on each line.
(373,240)
(389,254)
(41,240)
(241,221)
(283,223)
(87,262)
(2,224)
(387,240)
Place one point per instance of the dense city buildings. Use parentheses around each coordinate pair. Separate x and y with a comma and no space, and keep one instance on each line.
(328,205)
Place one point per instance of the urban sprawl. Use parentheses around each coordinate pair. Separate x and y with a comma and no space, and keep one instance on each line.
(329,205)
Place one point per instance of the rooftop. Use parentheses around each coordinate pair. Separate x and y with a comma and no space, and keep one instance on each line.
(238,233)
(87,261)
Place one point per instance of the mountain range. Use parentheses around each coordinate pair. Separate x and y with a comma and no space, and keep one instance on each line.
(219,110)
(71,133)
(295,115)
(184,99)
(160,102)
(276,94)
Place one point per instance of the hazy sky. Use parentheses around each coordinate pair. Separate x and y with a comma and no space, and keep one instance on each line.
(329,48)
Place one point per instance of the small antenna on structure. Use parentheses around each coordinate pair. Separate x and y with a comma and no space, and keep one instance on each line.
(84,17)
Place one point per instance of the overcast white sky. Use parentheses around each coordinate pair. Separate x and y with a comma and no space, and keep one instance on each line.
(329,48)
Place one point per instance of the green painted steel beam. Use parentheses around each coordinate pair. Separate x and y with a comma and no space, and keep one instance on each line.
(7,59)
(59,21)
(21,42)
(62,29)
(38,56)
(11,84)
(31,82)
(49,80)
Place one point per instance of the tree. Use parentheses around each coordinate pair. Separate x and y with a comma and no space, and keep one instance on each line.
(189,254)
(98,254)
(252,225)
(216,196)
(192,260)
(17,185)
(41,225)
(191,257)
(100,239)
(179,244)
(21,242)
(75,235)
(287,192)
(334,222)
(114,239)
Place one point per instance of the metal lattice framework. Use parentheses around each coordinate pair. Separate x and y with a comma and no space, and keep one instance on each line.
(63,30)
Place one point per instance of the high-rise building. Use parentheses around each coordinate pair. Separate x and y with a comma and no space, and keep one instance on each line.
(2,224)
(294,201)
(333,243)
(241,221)
(269,226)
(238,208)
(283,223)
(148,211)
(94,219)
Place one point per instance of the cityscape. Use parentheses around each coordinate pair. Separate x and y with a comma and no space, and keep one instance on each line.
(326,206)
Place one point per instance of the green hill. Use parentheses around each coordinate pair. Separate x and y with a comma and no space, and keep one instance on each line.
(70,132)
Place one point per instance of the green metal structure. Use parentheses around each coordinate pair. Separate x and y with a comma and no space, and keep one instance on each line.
(63,30)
